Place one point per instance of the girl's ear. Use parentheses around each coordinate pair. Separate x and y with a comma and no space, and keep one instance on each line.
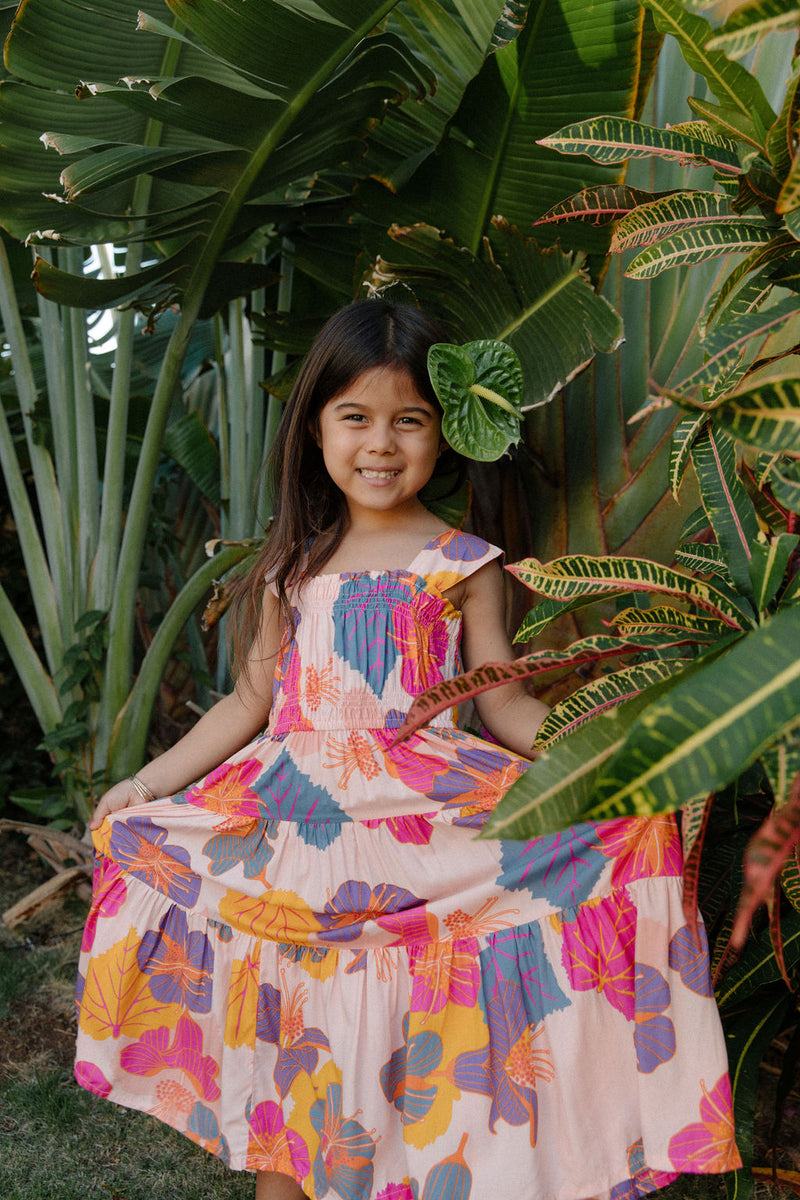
(313,429)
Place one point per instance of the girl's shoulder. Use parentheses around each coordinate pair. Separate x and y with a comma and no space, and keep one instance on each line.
(453,555)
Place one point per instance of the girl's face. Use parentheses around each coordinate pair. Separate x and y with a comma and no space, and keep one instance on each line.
(380,441)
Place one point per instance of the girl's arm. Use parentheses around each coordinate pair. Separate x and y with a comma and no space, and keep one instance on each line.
(508,712)
(230,724)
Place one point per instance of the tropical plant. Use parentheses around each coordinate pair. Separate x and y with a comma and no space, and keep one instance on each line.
(236,135)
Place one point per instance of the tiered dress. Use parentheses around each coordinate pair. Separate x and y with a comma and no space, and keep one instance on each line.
(307,962)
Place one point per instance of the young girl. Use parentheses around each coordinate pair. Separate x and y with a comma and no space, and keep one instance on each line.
(306,961)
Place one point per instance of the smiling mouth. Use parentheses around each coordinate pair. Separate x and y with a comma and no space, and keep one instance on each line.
(367,474)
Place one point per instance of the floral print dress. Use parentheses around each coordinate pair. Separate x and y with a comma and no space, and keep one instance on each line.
(307,962)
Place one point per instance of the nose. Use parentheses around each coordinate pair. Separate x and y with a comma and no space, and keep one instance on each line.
(381,438)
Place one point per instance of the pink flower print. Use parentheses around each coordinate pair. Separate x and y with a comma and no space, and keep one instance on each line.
(444,973)
(140,847)
(288,714)
(353,754)
(413,828)
(88,1076)
(411,762)
(346,1149)
(598,950)
(356,903)
(274,1147)
(154,1053)
(420,634)
(654,1036)
(641,847)
(397,1191)
(109,891)
(227,791)
(180,964)
(708,1145)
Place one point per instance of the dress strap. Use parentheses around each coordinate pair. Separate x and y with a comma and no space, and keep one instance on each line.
(452,556)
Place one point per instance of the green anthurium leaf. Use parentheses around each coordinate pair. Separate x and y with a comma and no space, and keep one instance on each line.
(729,509)
(710,727)
(745,27)
(189,442)
(609,139)
(766,417)
(584,576)
(479,386)
(601,695)
(768,566)
(699,245)
(729,81)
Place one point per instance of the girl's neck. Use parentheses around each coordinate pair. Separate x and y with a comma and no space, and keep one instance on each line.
(380,545)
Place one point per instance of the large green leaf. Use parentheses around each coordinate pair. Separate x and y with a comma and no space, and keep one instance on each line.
(766,416)
(657,219)
(745,27)
(710,727)
(542,304)
(729,81)
(729,509)
(586,576)
(610,139)
(699,245)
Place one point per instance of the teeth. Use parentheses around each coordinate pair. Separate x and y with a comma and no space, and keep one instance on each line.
(377,474)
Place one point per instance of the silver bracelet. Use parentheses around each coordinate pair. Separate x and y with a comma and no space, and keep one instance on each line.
(144,791)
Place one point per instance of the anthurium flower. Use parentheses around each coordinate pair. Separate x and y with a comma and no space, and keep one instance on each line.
(479,386)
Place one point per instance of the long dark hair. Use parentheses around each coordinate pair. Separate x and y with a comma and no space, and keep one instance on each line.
(307,505)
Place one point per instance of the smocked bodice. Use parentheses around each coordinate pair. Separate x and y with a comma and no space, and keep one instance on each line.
(367,643)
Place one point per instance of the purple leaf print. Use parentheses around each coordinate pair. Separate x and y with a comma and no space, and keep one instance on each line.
(654,1040)
(180,963)
(461,547)
(140,846)
(652,991)
(154,1052)
(356,903)
(268,1015)
(690,960)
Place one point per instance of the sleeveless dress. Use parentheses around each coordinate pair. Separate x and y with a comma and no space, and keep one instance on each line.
(307,962)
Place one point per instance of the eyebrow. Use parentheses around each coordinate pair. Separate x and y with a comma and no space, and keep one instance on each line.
(425,409)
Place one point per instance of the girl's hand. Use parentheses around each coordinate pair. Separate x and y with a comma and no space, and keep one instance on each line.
(121,795)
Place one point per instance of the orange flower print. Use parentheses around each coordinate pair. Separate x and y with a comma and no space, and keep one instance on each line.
(708,1145)
(226,790)
(465,925)
(353,754)
(641,847)
(321,685)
